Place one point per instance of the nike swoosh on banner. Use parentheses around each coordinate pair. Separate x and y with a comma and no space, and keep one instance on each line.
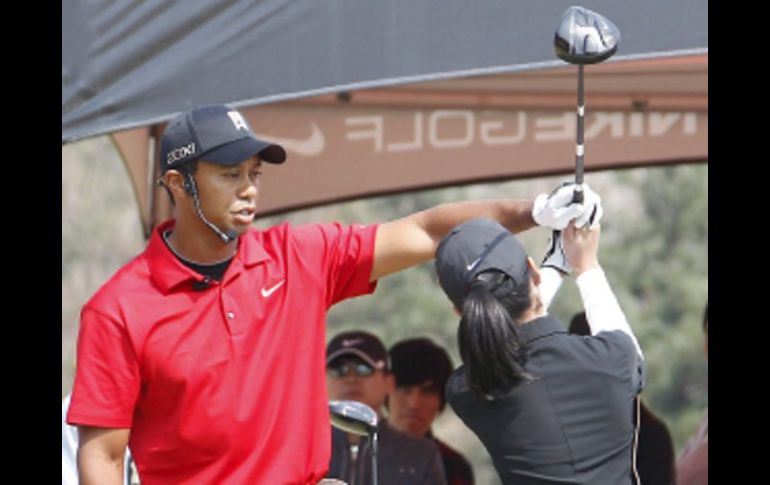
(311,146)
(269,291)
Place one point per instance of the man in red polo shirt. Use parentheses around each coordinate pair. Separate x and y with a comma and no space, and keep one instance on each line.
(205,353)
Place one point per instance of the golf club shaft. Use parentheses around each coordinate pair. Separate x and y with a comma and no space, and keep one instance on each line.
(374,457)
(577,196)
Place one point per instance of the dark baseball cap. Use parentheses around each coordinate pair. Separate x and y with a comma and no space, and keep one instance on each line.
(215,133)
(364,345)
(473,247)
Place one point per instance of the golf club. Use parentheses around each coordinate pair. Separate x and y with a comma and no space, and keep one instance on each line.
(357,418)
(583,37)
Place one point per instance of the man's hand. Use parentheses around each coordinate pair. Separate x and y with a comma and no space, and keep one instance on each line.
(556,210)
(554,256)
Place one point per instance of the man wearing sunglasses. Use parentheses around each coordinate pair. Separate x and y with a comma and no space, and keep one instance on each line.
(358,369)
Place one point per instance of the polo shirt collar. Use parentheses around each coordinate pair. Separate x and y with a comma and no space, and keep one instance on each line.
(168,272)
(540,327)
(250,249)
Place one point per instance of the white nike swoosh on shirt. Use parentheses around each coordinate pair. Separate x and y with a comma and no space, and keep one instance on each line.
(269,291)
(311,146)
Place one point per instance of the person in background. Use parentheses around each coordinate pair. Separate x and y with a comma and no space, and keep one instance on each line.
(692,464)
(421,369)
(358,369)
(655,449)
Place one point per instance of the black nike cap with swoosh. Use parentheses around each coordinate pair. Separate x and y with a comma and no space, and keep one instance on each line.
(473,247)
(216,134)
(364,345)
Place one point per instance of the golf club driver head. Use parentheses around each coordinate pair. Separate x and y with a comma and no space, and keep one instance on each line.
(353,416)
(585,37)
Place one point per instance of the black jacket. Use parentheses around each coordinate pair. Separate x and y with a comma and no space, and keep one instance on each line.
(401,459)
(574,423)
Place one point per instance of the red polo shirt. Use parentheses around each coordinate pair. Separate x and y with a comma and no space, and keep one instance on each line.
(225,384)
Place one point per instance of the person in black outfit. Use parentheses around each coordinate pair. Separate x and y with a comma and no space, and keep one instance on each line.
(655,451)
(549,407)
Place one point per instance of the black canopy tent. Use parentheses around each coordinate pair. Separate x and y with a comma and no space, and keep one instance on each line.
(400,94)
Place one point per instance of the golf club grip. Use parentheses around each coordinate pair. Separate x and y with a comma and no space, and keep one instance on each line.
(577,196)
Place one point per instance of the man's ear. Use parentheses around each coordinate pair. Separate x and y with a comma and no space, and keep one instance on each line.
(534,270)
(174,181)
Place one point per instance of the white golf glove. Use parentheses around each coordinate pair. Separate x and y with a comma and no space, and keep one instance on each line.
(554,256)
(593,210)
(556,210)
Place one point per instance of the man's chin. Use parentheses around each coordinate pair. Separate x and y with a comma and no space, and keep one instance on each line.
(240,229)
(412,427)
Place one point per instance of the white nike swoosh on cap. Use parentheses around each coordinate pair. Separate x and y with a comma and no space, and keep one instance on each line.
(473,264)
(269,291)
(311,146)
(351,342)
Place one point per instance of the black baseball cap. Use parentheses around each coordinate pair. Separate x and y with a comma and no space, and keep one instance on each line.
(215,133)
(473,247)
(364,345)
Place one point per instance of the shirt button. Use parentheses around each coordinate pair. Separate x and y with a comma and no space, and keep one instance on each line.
(230,315)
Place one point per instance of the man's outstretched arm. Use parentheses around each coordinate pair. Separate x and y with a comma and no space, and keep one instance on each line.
(413,239)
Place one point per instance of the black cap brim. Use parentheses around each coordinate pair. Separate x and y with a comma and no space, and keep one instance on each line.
(237,151)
